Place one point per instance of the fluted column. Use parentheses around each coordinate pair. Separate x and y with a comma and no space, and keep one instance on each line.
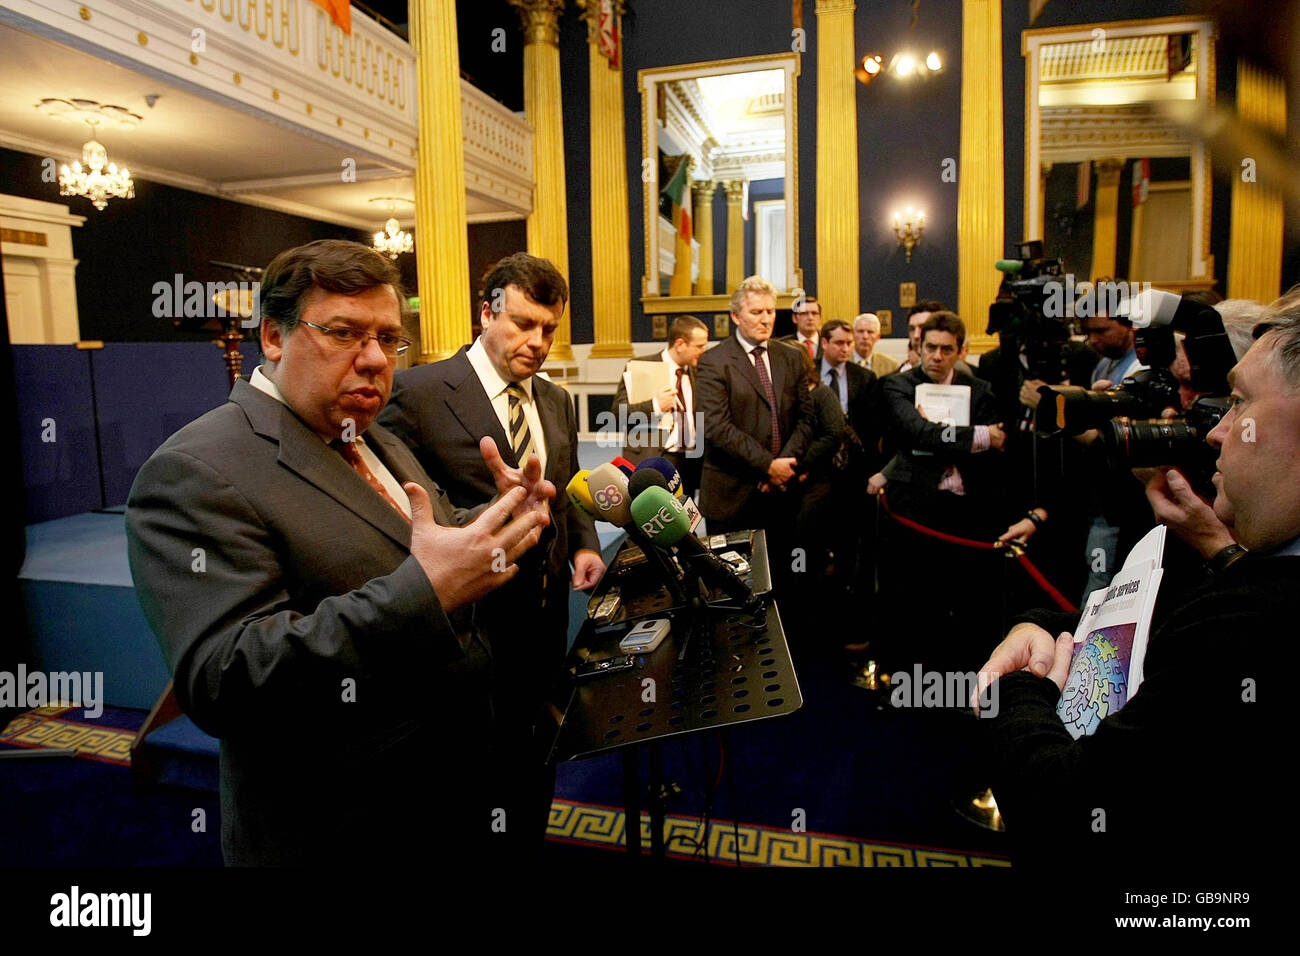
(441,241)
(611,274)
(702,191)
(838,277)
(980,219)
(548,224)
(735,234)
(1255,245)
(1105,222)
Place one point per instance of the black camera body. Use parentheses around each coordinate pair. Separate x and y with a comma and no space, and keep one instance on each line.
(1019,315)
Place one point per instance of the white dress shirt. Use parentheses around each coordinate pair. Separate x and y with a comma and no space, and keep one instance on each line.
(674,442)
(377,468)
(496,386)
(749,347)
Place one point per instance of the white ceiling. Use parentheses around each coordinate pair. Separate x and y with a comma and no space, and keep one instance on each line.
(188,141)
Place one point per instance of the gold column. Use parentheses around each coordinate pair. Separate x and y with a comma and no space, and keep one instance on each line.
(1105,221)
(680,283)
(548,224)
(735,234)
(702,191)
(980,221)
(1255,245)
(611,273)
(838,278)
(442,245)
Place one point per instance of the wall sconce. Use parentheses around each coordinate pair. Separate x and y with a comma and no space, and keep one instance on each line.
(908,228)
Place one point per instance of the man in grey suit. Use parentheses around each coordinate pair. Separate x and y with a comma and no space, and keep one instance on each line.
(650,431)
(312,588)
(758,419)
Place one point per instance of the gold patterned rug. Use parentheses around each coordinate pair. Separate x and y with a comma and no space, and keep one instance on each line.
(588,824)
(66,728)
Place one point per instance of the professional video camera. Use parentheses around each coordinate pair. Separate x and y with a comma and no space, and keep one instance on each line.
(1020,315)
(1127,414)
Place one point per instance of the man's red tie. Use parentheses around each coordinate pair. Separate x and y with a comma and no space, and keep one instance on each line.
(353,457)
(812,349)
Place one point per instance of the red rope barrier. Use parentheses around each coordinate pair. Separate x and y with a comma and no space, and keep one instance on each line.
(1017,552)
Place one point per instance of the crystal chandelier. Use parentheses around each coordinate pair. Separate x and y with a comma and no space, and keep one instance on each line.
(394,240)
(95,177)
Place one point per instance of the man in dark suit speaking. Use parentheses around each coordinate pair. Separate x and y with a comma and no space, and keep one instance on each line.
(441,411)
(312,592)
(757,421)
(665,424)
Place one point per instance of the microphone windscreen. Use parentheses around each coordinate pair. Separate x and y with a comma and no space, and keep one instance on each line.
(579,494)
(665,468)
(623,465)
(661,517)
(608,487)
(645,478)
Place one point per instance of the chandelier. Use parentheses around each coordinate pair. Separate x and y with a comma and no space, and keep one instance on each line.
(98,180)
(394,240)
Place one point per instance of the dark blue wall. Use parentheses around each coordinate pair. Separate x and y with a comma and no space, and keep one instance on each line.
(906,129)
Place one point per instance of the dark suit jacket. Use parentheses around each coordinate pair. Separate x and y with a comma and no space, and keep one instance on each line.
(441,411)
(738,422)
(304,582)
(794,340)
(864,415)
(1142,761)
(909,432)
(647,442)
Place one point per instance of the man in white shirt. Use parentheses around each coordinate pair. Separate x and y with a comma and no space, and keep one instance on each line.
(667,425)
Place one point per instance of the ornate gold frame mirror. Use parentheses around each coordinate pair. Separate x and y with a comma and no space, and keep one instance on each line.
(1112,179)
(710,132)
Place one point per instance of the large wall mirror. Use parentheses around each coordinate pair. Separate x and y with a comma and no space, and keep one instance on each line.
(1113,183)
(720,181)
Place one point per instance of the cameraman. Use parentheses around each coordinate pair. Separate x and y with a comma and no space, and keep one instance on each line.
(1136,790)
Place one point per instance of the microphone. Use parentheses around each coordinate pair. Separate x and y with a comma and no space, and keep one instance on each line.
(665,468)
(579,494)
(608,487)
(644,478)
(623,465)
(664,520)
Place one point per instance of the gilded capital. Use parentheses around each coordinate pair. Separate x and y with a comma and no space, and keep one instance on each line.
(703,189)
(591,14)
(834,6)
(541,19)
(735,191)
(1108,171)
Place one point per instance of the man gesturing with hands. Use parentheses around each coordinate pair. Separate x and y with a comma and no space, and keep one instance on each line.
(313,588)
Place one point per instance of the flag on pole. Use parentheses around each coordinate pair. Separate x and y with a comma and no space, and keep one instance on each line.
(678,192)
(607,32)
(340,12)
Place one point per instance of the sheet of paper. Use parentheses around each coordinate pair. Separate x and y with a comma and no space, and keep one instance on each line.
(943,403)
(645,379)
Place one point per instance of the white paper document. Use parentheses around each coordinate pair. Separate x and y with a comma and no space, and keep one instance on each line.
(1110,642)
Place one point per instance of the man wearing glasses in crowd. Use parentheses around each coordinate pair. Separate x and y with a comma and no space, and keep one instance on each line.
(313,588)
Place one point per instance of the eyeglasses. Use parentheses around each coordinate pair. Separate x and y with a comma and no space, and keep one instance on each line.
(347,339)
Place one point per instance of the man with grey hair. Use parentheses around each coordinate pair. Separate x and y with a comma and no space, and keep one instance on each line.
(757,422)
(1125,792)
(866,333)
